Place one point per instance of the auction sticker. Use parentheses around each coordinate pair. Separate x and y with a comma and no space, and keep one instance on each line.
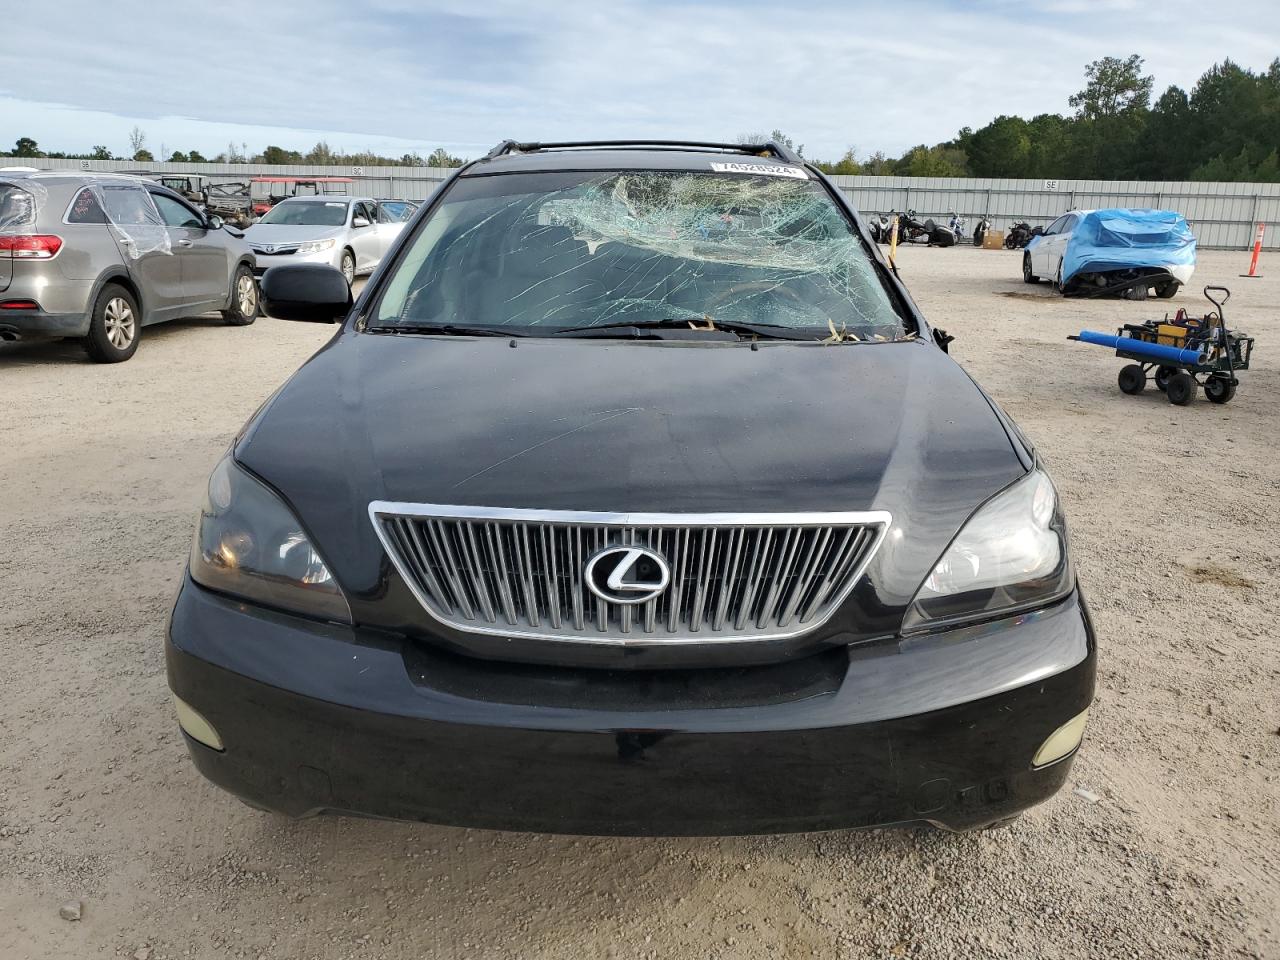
(761,169)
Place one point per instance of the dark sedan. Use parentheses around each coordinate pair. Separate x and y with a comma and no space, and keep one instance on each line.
(633,496)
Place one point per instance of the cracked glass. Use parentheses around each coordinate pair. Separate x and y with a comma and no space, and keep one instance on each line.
(567,250)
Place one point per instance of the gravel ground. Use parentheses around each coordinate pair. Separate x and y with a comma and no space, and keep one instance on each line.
(1168,850)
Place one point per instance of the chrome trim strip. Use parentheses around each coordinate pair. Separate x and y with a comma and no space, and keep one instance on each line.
(601,518)
(875,523)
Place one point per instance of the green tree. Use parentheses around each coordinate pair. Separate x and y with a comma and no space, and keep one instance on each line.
(1000,149)
(101,153)
(143,156)
(195,156)
(178,157)
(440,157)
(280,155)
(937,161)
(320,154)
(1113,87)
(26,147)
(846,166)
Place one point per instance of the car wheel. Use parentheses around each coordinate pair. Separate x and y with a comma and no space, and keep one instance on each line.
(114,326)
(1057,280)
(1162,377)
(1219,389)
(1181,389)
(349,266)
(244,299)
(1132,379)
(1167,289)
(1027,275)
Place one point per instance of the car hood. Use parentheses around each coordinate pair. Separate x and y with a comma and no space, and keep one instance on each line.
(260,233)
(655,426)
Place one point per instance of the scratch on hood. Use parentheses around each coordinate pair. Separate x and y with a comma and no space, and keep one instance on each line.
(601,417)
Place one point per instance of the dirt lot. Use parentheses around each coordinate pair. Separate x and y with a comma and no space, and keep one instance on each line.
(1170,849)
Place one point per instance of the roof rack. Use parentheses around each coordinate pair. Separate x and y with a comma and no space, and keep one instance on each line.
(755,149)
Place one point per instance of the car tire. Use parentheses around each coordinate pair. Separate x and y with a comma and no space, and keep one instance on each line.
(1181,389)
(1057,280)
(115,326)
(348,266)
(1167,289)
(1132,379)
(1162,377)
(244,299)
(1219,389)
(1027,275)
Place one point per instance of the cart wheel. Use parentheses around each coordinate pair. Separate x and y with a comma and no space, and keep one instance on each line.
(1181,389)
(1219,389)
(1132,379)
(1162,377)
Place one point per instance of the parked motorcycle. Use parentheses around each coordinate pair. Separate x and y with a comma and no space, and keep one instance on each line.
(911,229)
(1019,236)
(981,229)
(879,225)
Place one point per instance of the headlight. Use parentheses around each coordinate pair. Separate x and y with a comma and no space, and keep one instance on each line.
(1011,554)
(248,544)
(315,246)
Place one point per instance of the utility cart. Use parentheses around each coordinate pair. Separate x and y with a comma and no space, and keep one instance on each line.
(1181,353)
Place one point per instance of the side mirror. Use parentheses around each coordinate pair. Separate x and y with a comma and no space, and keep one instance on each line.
(359,222)
(214,222)
(310,292)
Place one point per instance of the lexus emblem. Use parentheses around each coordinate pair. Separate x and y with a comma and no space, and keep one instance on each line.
(627,575)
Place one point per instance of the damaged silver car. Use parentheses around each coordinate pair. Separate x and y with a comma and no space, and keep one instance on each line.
(98,257)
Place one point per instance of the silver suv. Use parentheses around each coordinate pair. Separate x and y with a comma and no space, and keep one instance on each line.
(99,257)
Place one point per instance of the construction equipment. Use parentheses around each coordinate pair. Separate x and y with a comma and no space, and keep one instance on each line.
(1184,352)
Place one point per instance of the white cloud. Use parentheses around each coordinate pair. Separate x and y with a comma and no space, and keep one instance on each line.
(396,75)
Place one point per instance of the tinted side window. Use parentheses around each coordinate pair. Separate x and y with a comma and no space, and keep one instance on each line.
(175,214)
(394,211)
(1056,226)
(86,209)
(129,206)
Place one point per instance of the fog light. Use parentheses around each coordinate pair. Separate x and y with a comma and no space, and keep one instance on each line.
(196,726)
(1062,741)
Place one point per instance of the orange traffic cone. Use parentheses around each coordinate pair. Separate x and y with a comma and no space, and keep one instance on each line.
(1257,249)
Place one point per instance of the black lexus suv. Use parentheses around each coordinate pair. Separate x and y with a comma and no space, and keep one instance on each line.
(632,496)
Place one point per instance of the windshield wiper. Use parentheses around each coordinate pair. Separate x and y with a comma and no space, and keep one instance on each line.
(774,331)
(449,329)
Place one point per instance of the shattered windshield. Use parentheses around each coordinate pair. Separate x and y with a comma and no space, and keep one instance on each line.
(569,250)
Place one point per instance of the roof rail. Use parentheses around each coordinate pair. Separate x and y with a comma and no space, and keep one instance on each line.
(757,149)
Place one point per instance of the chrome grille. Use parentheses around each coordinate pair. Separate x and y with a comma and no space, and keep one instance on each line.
(733,576)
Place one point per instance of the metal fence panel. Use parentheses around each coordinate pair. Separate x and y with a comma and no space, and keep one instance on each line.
(1223,215)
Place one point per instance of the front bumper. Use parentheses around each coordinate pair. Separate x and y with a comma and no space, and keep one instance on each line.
(322,718)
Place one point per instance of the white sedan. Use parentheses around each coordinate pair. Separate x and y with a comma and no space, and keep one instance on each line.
(1122,251)
(351,234)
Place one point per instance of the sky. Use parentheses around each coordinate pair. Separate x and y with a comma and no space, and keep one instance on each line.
(395,76)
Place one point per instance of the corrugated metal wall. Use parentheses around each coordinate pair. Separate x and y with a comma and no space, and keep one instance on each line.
(1223,215)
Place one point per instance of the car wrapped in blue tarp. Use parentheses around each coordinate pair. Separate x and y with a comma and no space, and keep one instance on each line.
(1116,250)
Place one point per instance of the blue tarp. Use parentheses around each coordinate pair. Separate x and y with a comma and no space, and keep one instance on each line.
(1117,239)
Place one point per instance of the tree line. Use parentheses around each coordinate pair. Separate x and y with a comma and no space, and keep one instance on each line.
(1226,128)
(321,155)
